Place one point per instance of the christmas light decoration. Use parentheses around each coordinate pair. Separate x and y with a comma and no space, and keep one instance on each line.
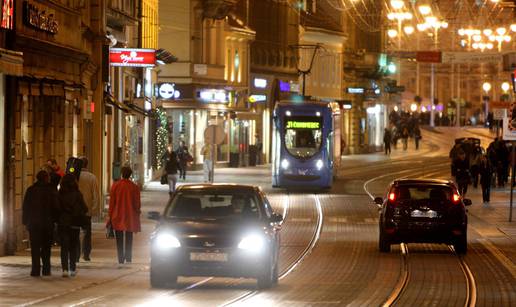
(161,136)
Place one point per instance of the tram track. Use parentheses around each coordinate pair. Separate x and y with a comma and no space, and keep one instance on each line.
(403,281)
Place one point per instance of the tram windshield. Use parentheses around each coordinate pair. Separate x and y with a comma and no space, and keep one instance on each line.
(303,135)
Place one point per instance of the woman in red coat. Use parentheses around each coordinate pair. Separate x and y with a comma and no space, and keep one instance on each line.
(124,213)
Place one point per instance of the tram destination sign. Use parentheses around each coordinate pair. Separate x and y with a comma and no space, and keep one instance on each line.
(293,124)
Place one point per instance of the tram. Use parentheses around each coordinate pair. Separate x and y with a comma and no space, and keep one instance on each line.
(302,145)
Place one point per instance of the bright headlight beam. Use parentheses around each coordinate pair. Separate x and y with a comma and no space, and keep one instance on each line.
(167,241)
(284,164)
(252,243)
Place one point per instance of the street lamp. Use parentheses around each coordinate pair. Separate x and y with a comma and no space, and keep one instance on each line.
(505,87)
(486,87)
(436,24)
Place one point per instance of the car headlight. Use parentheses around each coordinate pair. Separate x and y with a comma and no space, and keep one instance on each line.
(252,243)
(167,241)
(284,164)
(319,164)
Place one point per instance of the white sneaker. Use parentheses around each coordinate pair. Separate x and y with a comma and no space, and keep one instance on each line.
(65,273)
(73,273)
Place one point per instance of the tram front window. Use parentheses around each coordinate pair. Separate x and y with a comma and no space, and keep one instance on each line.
(303,136)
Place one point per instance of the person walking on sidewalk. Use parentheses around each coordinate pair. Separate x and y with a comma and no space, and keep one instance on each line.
(124,214)
(417,136)
(486,175)
(207,162)
(88,185)
(72,216)
(171,167)
(40,209)
(387,139)
(460,170)
(184,157)
(405,136)
(474,162)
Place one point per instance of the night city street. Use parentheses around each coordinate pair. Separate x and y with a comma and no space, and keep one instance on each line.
(258,153)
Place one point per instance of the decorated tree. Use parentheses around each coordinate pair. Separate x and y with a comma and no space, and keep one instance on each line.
(161,136)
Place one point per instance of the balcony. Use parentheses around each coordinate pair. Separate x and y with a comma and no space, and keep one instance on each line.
(218,9)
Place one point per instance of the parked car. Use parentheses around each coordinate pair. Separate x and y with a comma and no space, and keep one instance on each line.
(423,211)
(225,230)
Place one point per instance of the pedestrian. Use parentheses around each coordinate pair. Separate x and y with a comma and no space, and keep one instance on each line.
(207,154)
(404,136)
(171,168)
(259,148)
(474,164)
(55,178)
(72,216)
(184,157)
(57,169)
(486,174)
(124,214)
(387,139)
(88,185)
(417,136)
(39,213)
(460,170)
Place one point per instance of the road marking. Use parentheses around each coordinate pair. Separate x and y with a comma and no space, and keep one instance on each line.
(504,260)
(300,220)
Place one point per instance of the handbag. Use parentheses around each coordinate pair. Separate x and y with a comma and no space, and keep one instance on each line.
(110,233)
(164,179)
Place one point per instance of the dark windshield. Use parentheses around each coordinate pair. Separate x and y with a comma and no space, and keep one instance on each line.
(426,192)
(206,204)
(303,135)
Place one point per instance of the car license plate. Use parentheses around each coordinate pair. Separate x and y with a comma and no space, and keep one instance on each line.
(215,257)
(419,213)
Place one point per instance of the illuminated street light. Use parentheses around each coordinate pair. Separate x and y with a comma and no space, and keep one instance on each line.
(505,87)
(488,32)
(397,4)
(486,87)
(513,27)
(413,107)
(477,38)
(501,31)
(425,9)
(422,27)
(408,29)
(392,33)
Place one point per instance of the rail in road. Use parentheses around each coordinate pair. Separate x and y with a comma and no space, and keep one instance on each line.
(405,274)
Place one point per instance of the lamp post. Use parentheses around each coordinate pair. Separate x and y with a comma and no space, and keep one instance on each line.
(399,16)
(436,24)
(486,87)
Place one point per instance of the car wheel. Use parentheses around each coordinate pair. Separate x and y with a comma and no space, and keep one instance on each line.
(383,243)
(461,244)
(162,278)
(266,279)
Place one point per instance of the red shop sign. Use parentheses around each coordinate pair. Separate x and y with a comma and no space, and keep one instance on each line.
(132,57)
(428,56)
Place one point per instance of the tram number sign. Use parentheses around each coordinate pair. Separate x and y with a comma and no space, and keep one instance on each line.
(291,124)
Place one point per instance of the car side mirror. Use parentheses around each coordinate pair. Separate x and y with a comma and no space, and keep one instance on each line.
(467,202)
(153,215)
(276,218)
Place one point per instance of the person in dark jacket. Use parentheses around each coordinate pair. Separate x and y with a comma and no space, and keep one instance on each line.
(417,136)
(460,170)
(171,168)
(40,205)
(72,215)
(183,157)
(387,139)
(486,174)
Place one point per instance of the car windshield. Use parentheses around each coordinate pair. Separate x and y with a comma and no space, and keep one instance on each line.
(423,192)
(207,204)
(303,135)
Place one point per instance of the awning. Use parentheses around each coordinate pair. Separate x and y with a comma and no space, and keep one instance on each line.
(165,57)
(110,99)
(138,109)
(11,62)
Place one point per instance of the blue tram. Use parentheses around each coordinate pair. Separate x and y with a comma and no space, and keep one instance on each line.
(302,145)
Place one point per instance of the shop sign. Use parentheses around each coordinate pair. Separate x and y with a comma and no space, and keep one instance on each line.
(168,91)
(257,98)
(37,18)
(355,90)
(132,57)
(7,14)
(284,86)
(294,124)
(213,96)
(260,83)
(428,56)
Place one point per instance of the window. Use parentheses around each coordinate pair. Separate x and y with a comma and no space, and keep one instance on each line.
(303,135)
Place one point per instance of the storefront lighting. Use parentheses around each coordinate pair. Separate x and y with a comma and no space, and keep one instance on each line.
(505,87)
(423,109)
(396,108)
(214,96)
(260,83)
(373,110)
(413,107)
(347,106)
(486,87)
(392,68)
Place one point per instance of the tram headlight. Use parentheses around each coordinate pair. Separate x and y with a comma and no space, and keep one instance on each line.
(284,164)
(319,164)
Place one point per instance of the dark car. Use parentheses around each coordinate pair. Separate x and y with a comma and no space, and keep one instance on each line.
(423,211)
(216,230)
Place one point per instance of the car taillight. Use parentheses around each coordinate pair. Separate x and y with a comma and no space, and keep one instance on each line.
(392,196)
(456,198)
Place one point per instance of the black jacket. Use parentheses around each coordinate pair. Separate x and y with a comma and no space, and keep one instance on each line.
(486,173)
(72,209)
(460,169)
(171,164)
(40,206)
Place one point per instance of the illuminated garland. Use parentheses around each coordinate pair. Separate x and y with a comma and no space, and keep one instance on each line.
(161,136)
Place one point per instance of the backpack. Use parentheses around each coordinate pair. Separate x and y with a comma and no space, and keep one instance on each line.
(74,167)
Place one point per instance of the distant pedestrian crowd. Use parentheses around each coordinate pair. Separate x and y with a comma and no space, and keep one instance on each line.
(404,126)
(62,202)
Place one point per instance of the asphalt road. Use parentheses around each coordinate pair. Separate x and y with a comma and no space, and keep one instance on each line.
(329,252)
